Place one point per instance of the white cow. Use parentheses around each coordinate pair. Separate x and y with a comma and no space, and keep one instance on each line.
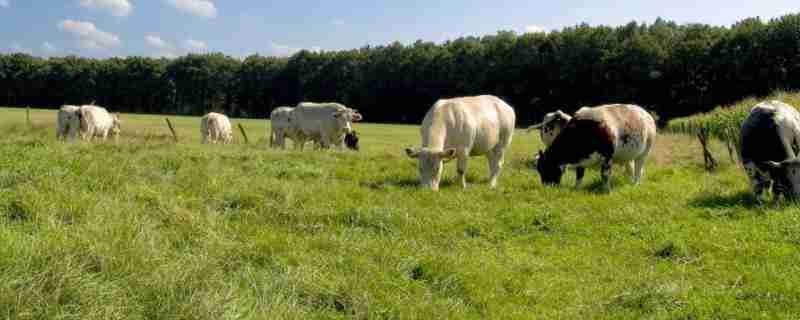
(770,145)
(326,123)
(215,128)
(282,127)
(460,128)
(97,122)
(69,122)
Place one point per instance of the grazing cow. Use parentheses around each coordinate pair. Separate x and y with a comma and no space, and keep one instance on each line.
(460,128)
(282,127)
(69,122)
(770,144)
(325,123)
(351,140)
(551,126)
(600,136)
(97,122)
(215,128)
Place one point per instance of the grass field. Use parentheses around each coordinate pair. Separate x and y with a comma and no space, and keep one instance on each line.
(149,229)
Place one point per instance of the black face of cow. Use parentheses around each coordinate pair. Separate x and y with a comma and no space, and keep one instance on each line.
(351,140)
(549,171)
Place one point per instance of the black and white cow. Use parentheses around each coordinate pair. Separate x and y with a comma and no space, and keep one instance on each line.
(770,144)
(617,133)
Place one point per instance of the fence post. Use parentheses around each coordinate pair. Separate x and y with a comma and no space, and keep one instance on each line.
(710,162)
(244,134)
(172,129)
(28,115)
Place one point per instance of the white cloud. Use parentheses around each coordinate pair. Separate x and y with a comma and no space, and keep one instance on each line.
(195,45)
(282,49)
(535,29)
(156,42)
(17,48)
(89,37)
(202,8)
(4,4)
(118,8)
(49,47)
(338,22)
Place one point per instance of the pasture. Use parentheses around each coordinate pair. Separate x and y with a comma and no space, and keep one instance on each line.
(149,229)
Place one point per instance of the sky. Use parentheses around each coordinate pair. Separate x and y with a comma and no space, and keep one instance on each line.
(156,28)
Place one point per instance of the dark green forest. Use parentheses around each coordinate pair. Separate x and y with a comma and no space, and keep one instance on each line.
(671,69)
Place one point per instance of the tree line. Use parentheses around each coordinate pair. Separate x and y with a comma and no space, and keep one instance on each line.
(669,68)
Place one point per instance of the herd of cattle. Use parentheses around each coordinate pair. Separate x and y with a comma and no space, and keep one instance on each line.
(460,128)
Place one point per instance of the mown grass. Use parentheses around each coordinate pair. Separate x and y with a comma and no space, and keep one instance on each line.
(149,229)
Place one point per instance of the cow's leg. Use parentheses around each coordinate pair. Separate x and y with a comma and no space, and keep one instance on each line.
(496,159)
(638,170)
(605,173)
(580,172)
(630,168)
(461,168)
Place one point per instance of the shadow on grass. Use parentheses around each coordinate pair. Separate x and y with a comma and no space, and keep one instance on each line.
(743,199)
(390,182)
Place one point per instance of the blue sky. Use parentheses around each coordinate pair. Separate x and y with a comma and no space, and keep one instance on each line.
(103,28)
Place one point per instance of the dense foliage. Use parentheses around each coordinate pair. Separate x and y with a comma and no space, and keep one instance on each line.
(673,69)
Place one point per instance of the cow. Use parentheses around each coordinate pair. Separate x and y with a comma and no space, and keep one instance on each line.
(769,146)
(215,128)
(551,126)
(282,127)
(325,123)
(615,133)
(351,140)
(459,128)
(69,121)
(97,122)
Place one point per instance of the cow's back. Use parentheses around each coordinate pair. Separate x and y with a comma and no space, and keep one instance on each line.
(620,131)
(771,132)
(478,123)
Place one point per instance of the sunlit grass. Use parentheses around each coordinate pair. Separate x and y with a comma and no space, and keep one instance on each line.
(150,229)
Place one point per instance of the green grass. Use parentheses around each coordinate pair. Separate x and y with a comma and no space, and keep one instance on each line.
(149,229)
(725,122)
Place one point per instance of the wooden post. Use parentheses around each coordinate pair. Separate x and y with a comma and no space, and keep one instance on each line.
(28,115)
(244,134)
(710,162)
(172,129)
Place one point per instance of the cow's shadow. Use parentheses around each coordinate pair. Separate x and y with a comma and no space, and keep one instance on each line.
(744,199)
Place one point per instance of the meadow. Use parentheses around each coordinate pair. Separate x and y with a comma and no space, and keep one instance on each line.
(149,229)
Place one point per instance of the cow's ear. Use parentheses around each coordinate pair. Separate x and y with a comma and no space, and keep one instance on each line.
(412,153)
(448,154)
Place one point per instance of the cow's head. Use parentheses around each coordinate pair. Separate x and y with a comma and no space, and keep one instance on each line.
(116,127)
(430,164)
(550,171)
(551,126)
(344,119)
(351,140)
(785,176)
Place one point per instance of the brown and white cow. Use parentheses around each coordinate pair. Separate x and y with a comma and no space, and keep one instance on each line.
(551,126)
(460,128)
(602,135)
(770,145)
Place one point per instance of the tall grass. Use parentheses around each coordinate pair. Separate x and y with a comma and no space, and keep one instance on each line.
(725,122)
